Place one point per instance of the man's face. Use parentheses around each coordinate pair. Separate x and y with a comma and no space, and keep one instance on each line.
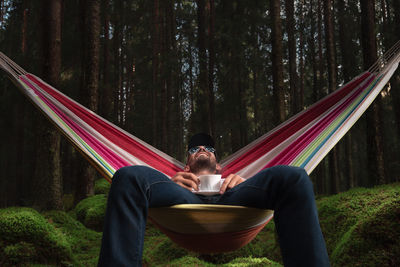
(201,162)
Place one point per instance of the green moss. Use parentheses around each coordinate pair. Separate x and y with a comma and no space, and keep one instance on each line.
(238,262)
(251,262)
(189,261)
(91,211)
(19,252)
(85,243)
(360,225)
(159,249)
(372,241)
(101,186)
(26,236)
(68,201)
(361,228)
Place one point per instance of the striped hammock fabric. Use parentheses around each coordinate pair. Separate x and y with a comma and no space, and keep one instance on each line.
(302,141)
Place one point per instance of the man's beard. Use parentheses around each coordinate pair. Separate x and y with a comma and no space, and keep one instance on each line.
(203,165)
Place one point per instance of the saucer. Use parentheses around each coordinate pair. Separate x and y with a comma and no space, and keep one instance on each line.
(206,192)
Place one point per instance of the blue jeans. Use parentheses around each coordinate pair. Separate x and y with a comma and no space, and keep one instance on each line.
(286,190)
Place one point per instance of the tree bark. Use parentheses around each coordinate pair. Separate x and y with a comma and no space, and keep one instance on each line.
(293,78)
(313,53)
(300,93)
(89,97)
(396,80)
(277,65)
(163,79)
(211,63)
(172,77)
(321,91)
(332,84)
(48,191)
(376,166)
(347,60)
(203,72)
(155,67)
(107,104)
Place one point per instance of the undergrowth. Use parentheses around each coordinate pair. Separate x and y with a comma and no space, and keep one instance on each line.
(361,228)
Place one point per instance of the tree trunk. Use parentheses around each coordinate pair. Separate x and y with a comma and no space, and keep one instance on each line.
(311,44)
(164,65)
(107,104)
(374,129)
(172,79)
(155,67)
(332,83)
(211,62)
(89,93)
(277,65)
(48,191)
(293,79)
(321,91)
(300,94)
(396,80)
(20,118)
(204,104)
(347,60)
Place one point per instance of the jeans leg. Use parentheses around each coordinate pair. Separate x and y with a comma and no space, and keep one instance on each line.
(134,189)
(289,192)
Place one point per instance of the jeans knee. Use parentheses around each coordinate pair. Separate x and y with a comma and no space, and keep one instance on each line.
(127,174)
(140,176)
(293,176)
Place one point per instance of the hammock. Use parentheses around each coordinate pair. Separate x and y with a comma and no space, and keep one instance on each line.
(301,141)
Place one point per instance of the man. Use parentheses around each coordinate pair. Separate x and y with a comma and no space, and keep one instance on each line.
(286,190)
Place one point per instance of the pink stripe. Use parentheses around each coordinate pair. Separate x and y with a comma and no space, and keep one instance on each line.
(114,135)
(289,129)
(298,146)
(108,155)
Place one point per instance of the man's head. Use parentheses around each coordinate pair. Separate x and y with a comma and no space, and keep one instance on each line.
(201,155)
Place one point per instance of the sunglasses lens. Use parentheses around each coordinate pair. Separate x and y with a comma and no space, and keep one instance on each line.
(194,150)
(210,149)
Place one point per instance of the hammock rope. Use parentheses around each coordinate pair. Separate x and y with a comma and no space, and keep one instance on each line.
(303,140)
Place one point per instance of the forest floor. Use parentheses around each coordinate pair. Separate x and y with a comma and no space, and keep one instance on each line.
(361,228)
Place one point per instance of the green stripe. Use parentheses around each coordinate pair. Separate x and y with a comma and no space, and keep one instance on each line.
(55,117)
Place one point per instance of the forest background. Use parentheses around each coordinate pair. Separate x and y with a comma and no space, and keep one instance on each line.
(163,70)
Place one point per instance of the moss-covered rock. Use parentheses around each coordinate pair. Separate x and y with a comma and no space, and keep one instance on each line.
(252,262)
(263,245)
(159,249)
(68,201)
(91,211)
(26,236)
(361,226)
(85,243)
(101,186)
(373,241)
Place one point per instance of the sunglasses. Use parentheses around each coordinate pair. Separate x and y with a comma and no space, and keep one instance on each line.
(196,149)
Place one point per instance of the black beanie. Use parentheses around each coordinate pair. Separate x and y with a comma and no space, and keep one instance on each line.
(201,139)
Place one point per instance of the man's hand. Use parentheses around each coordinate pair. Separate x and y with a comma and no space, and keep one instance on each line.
(231,181)
(187,180)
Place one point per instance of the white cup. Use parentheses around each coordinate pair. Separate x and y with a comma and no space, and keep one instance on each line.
(210,182)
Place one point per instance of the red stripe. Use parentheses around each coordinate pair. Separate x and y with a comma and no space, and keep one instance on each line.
(100,148)
(286,156)
(289,129)
(213,242)
(114,135)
